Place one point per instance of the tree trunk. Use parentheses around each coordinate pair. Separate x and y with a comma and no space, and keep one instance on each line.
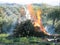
(54,22)
(0,28)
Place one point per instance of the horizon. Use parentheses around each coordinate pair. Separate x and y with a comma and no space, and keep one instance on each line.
(23,2)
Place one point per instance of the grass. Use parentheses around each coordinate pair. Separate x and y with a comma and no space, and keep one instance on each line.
(4,35)
(22,41)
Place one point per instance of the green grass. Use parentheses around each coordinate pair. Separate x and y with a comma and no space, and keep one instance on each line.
(22,40)
(4,35)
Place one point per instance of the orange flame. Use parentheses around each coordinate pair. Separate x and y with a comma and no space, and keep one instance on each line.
(37,18)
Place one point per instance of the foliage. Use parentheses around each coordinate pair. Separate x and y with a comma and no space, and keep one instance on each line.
(23,41)
(5,19)
(1,19)
(24,29)
(58,27)
(54,15)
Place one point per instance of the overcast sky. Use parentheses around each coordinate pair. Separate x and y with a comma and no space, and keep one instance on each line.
(50,2)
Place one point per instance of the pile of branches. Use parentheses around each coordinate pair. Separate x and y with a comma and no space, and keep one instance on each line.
(27,29)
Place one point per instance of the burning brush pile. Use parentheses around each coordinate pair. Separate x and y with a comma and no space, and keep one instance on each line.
(31,27)
(27,29)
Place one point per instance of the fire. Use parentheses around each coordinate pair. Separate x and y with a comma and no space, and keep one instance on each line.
(37,21)
(38,18)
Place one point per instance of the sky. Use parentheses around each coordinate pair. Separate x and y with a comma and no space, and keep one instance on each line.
(50,2)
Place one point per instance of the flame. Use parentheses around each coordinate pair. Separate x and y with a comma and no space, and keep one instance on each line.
(37,18)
